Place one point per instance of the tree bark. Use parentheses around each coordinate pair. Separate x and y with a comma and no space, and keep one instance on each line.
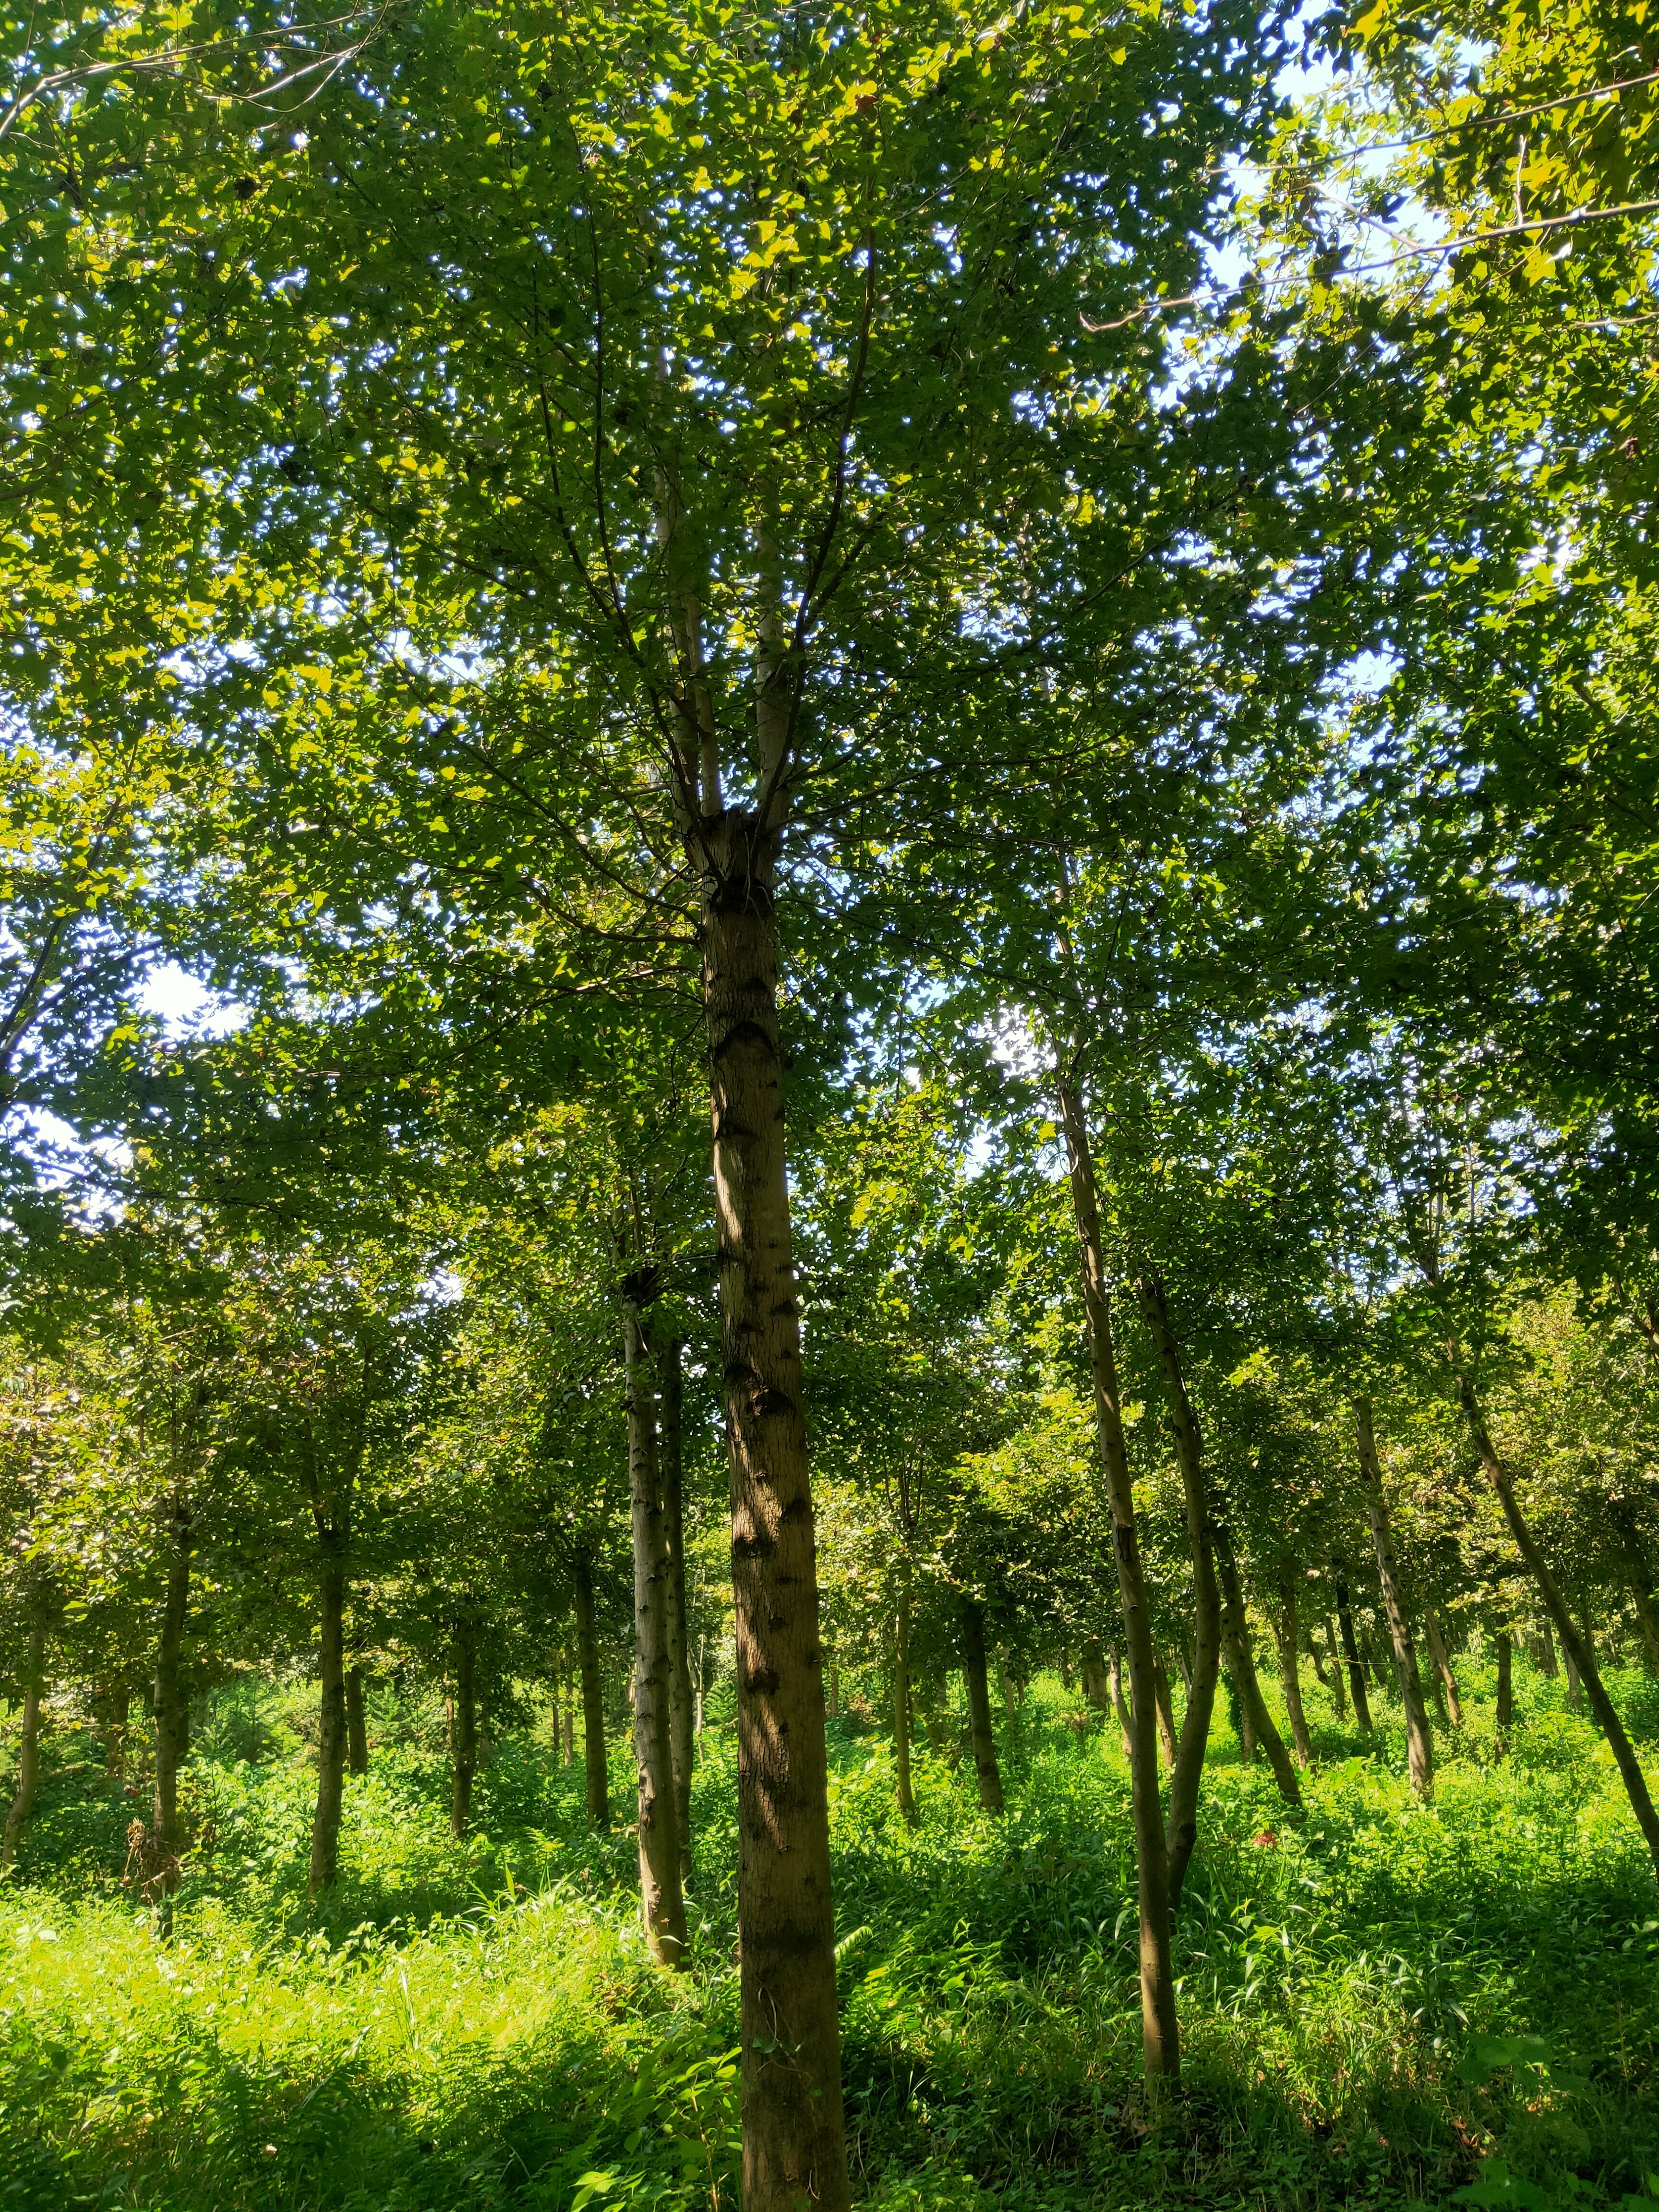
(661,1903)
(463,1726)
(356,1726)
(1419,1744)
(1180,1832)
(681,1715)
(1166,1727)
(1362,1704)
(1250,1687)
(172,1699)
(1093,1673)
(907,1795)
(1287,1636)
(1551,1664)
(28,1749)
(793,2121)
(1120,1706)
(1549,1590)
(1505,1716)
(979,1706)
(1160,2034)
(331,1719)
(587,1660)
(1442,1658)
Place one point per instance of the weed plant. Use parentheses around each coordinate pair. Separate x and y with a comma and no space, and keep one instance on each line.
(1383,2003)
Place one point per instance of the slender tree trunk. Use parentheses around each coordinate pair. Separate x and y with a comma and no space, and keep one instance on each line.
(1505,1716)
(1250,1687)
(356,1727)
(587,1660)
(1154,1879)
(906,1798)
(117,1704)
(979,1706)
(1287,1637)
(661,1903)
(1237,1714)
(171,1701)
(1548,1660)
(1092,1675)
(1166,1727)
(1120,1705)
(1182,1831)
(1443,1665)
(1556,1605)
(331,1717)
(573,1690)
(682,1729)
(1336,1685)
(28,1749)
(464,1723)
(793,2121)
(1419,1744)
(1362,1704)
(1575,1686)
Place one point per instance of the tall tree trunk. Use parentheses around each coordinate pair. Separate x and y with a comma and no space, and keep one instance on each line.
(1548,1660)
(464,1727)
(1558,1611)
(1505,1716)
(661,1903)
(587,1661)
(907,1795)
(1362,1704)
(1166,1727)
(171,1699)
(331,1718)
(28,1749)
(1159,2031)
(1333,1682)
(793,2121)
(1237,1627)
(979,1706)
(1092,1673)
(1286,1629)
(357,1726)
(1180,1832)
(681,1714)
(117,1704)
(1120,1704)
(1443,1664)
(1419,1744)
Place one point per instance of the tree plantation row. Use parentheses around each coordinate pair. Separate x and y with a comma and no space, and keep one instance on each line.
(1031,619)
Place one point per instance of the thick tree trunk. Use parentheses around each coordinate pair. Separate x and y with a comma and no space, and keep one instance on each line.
(661,1903)
(171,1702)
(1362,1704)
(1237,1628)
(1419,1744)
(1505,1716)
(1442,1666)
(331,1723)
(464,1725)
(907,1795)
(793,2121)
(681,1715)
(357,1726)
(1159,2031)
(1287,1636)
(979,1706)
(1092,1675)
(587,1661)
(1181,1831)
(28,1748)
(1558,1611)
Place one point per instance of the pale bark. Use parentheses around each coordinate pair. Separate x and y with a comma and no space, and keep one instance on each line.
(1286,1636)
(1548,1660)
(171,1699)
(682,1717)
(1419,1744)
(1443,1664)
(28,1748)
(1237,1628)
(1160,2034)
(1092,1675)
(662,1906)
(595,1766)
(1166,1727)
(1125,1722)
(356,1726)
(464,1722)
(1362,1704)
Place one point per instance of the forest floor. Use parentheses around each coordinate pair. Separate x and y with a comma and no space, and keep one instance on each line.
(1382,2004)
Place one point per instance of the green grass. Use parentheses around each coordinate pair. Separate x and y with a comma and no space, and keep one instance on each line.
(1382,2004)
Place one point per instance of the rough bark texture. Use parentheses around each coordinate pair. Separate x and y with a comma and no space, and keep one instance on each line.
(1558,1611)
(357,1726)
(793,2122)
(1249,1686)
(682,1710)
(1159,2031)
(331,1718)
(1180,1832)
(1362,1704)
(1442,1666)
(979,1706)
(662,1905)
(171,1699)
(29,1747)
(907,1795)
(588,1663)
(1092,1673)
(1419,1744)
(1287,1637)
(464,1723)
